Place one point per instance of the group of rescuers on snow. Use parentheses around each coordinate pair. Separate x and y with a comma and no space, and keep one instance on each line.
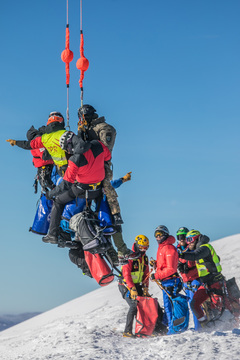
(84,162)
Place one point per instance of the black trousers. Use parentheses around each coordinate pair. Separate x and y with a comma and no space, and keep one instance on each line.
(132,312)
(62,199)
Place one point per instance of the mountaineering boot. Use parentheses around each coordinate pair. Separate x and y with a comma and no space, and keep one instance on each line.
(113,255)
(117,219)
(52,239)
(128,254)
(128,334)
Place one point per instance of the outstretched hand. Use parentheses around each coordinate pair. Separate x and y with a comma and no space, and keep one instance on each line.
(12,142)
(127,177)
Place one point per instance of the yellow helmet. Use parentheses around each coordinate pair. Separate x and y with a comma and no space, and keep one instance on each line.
(192,236)
(142,242)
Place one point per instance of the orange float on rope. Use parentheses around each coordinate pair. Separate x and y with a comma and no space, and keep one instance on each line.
(82,63)
(67,56)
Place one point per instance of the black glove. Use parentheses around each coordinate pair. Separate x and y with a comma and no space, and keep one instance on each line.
(152,276)
(48,195)
(180,267)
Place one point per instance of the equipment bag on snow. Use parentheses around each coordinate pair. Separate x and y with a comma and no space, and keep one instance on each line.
(42,217)
(147,315)
(99,268)
(180,315)
(89,233)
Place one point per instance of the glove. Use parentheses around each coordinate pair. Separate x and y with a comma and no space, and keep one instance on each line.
(48,195)
(152,263)
(145,292)
(152,277)
(12,142)
(180,267)
(133,293)
(126,177)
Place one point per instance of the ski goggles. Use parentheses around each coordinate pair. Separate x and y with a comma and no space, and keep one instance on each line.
(181,237)
(191,239)
(159,233)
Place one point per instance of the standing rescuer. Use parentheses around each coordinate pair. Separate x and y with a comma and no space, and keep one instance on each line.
(134,273)
(209,270)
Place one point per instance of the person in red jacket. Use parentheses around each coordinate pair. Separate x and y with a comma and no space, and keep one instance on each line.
(83,178)
(188,271)
(135,280)
(166,269)
(44,167)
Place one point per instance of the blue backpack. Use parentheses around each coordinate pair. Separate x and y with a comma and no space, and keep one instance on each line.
(180,314)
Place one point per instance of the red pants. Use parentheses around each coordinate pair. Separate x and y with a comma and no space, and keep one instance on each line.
(202,295)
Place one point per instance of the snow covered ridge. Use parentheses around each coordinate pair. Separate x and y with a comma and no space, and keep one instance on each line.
(90,327)
(8,320)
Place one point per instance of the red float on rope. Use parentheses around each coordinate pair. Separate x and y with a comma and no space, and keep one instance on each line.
(82,63)
(67,56)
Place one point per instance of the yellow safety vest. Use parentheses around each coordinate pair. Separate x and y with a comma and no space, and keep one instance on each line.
(51,143)
(203,265)
(137,276)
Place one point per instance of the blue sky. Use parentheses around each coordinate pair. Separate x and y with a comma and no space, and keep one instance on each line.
(166,75)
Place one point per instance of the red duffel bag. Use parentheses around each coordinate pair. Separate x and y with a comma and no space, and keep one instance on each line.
(99,268)
(147,315)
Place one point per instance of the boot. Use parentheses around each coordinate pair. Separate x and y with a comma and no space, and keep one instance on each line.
(117,219)
(52,239)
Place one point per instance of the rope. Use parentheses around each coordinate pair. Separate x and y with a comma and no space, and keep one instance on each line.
(82,63)
(67,57)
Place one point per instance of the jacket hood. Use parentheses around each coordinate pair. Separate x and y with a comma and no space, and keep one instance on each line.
(55,126)
(169,241)
(32,133)
(203,239)
(97,121)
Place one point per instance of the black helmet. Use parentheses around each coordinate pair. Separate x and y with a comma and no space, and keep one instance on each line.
(87,112)
(163,233)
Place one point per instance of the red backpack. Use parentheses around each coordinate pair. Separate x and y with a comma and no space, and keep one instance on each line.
(147,315)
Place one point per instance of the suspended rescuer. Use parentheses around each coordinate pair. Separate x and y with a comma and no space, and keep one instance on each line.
(91,127)
(187,270)
(166,269)
(41,159)
(50,140)
(209,271)
(83,178)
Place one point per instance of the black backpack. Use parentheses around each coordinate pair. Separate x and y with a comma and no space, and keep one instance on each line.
(88,231)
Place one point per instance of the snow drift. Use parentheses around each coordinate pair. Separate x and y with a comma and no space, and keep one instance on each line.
(90,327)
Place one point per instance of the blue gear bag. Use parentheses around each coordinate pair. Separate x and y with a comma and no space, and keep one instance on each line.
(42,217)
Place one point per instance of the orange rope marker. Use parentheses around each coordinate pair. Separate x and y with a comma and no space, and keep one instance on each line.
(82,63)
(67,57)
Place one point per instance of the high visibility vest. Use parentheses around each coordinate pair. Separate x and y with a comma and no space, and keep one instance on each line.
(51,143)
(206,267)
(139,265)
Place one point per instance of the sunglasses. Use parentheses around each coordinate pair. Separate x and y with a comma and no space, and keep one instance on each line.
(181,237)
(159,233)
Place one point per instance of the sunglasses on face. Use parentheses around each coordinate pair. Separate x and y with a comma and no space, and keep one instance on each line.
(159,233)
(181,237)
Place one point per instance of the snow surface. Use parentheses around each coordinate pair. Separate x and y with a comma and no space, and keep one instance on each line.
(90,327)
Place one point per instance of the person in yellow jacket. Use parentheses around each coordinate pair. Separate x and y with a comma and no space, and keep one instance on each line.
(50,140)
(209,271)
